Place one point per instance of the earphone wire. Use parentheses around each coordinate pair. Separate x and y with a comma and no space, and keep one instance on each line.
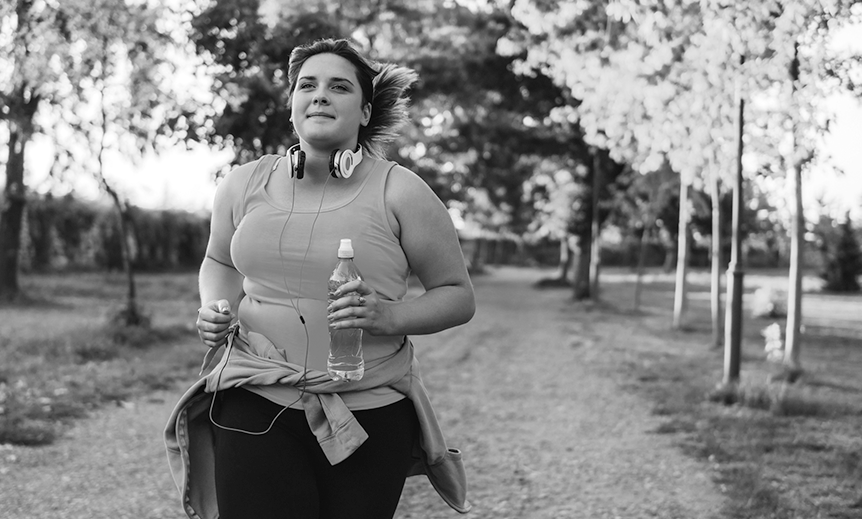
(303,381)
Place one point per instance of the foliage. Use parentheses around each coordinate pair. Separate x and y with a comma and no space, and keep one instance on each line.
(842,255)
(656,80)
(68,234)
(554,193)
(250,59)
(482,127)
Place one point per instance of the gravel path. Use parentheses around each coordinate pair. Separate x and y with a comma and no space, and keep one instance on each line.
(527,390)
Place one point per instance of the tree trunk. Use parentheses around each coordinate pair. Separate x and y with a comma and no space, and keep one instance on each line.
(477,262)
(565,259)
(715,283)
(131,315)
(595,228)
(134,317)
(735,272)
(680,291)
(20,107)
(581,282)
(793,339)
(670,255)
(11,217)
(585,283)
(642,242)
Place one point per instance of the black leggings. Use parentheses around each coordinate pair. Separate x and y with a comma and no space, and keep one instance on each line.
(284,473)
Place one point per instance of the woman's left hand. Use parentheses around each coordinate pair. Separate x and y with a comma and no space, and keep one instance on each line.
(358,306)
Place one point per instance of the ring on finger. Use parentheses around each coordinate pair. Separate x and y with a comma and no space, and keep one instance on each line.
(361,301)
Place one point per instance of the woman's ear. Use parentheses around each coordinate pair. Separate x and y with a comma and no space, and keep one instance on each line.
(366,114)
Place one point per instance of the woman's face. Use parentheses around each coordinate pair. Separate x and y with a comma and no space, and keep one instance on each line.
(327,107)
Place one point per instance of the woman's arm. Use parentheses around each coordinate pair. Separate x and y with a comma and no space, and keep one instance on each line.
(433,252)
(219,283)
(220,288)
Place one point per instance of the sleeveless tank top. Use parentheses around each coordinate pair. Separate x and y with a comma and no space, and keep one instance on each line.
(286,257)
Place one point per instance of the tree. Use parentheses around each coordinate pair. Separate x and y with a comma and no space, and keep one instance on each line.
(53,55)
(646,204)
(797,41)
(636,70)
(552,192)
(653,78)
(842,256)
(19,100)
(118,101)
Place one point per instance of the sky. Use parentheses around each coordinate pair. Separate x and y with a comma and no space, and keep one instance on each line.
(175,179)
(182,179)
(845,146)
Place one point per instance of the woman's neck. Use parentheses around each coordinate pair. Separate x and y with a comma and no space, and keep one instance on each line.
(316,165)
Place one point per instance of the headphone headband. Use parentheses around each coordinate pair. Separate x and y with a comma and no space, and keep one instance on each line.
(342,163)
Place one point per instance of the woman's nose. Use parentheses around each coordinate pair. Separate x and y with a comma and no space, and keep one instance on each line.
(320,99)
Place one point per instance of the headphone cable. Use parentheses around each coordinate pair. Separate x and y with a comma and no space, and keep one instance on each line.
(303,381)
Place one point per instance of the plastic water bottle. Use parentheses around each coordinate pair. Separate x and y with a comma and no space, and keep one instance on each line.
(345,360)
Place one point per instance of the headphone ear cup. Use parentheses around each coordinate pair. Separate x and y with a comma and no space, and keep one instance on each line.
(334,163)
(300,164)
(343,162)
(346,163)
(297,161)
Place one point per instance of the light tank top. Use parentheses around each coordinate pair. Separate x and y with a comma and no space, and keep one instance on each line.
(286,257)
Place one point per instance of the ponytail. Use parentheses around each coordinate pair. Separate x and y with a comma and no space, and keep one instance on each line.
(389,104)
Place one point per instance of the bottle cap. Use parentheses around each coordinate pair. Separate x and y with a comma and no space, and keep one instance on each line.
(345,250)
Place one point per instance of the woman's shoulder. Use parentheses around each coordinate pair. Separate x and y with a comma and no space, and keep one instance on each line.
(238,183)
(405,185)
(251,168)
(247,174)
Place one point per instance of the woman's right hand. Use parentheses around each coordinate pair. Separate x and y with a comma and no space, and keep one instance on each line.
(214,319)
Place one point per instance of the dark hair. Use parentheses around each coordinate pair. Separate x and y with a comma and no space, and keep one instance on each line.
(384,86)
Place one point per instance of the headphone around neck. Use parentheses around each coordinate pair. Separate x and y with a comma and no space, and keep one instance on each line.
(341,162)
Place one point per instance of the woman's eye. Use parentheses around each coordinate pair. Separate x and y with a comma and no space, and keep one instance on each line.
(340,87)
(304,86)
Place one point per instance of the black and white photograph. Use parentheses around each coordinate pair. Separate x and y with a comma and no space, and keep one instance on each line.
(428,259)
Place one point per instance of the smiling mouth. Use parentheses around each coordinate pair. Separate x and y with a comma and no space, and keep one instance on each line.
(319,114)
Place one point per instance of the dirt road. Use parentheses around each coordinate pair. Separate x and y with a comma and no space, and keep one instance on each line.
(528,390)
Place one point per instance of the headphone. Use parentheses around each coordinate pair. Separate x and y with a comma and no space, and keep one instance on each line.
(341,162)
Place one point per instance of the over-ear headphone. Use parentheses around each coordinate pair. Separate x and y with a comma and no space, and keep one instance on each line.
(297,161)
(341,162)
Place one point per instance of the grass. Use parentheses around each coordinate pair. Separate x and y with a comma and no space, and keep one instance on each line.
(62,355)
(777,450)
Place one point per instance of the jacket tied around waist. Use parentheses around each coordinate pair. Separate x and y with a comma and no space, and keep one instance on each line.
(189,437)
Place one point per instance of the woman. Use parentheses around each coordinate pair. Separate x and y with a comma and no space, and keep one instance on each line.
(282,439)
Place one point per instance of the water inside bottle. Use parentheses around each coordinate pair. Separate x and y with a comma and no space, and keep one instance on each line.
(346,367)
(345,360)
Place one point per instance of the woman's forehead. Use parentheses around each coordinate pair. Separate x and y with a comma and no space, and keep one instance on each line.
(328,66)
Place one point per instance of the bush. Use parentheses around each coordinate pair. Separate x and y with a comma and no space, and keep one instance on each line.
(63,233)
(779,399)
(842,259)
